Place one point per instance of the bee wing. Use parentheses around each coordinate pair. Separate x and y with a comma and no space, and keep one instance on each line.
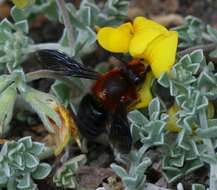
(64,65)
(119,132)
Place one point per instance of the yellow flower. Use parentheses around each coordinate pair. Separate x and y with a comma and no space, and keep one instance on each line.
(144,39)
(171,122)
(21,4)
(62,134)
(144,93)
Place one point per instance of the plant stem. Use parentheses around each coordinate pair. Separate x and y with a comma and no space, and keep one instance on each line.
(53,46)
(67,23)
(35,75)
(211,151)
(205,48)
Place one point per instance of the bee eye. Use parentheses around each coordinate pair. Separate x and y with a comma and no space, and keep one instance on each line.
(137,80)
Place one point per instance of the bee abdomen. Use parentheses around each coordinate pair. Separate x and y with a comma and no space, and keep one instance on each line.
(92,117)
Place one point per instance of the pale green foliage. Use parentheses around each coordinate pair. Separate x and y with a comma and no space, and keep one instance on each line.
(149,130)
(190,33)
(65,175)
(134,178)
(193,83)
(20,164)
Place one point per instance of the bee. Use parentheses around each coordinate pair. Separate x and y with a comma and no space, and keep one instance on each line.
(104,108)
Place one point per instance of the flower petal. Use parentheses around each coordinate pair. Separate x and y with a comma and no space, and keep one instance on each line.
(144,93)
(115,39)
(140,41)
(161,52)
(172,120)
(126,27)
(20,4)
(63,134)
(140,23)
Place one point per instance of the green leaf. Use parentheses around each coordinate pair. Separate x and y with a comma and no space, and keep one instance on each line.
(119,170)
(172,175)
(6,24)
(42,171)
(154,106)
(3,178)
(185,60)
(212,32)
(210,132)
(22,26)
(27,141)
(37,148)
(24,182)
(197,56)
(44,105)
(209,159)
(30,160)
(198,187)
(164,80)
(7,100)
(137,118)
(18,14)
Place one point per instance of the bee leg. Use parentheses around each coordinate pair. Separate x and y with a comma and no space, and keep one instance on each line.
(119,132)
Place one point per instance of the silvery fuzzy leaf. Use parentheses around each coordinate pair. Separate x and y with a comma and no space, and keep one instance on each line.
(197,56)
(22,26)
(154,106)
(6,24)
(30,160)
(130,182)
(42,171)
(24,182)
(11,185)
(211,54)
(18,159)
(42,104)
(164,80)
(206,80)
(194,68)
(142,167)
(4,150)
(121,172)
(155,133)
(172,175)
(212,32)
(210,132)
(4,36)
(6,168)
(3,178)
(182,141)
(193,165)
(209,159)
(18,14)
(27,141)
(184,61)
(37,148)
(198,187)
(75,18)
(137,118)
(7,100)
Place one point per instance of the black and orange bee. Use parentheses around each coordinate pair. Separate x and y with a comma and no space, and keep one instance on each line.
(104,108)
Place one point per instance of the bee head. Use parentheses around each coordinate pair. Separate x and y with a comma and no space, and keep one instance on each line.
(135,71)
